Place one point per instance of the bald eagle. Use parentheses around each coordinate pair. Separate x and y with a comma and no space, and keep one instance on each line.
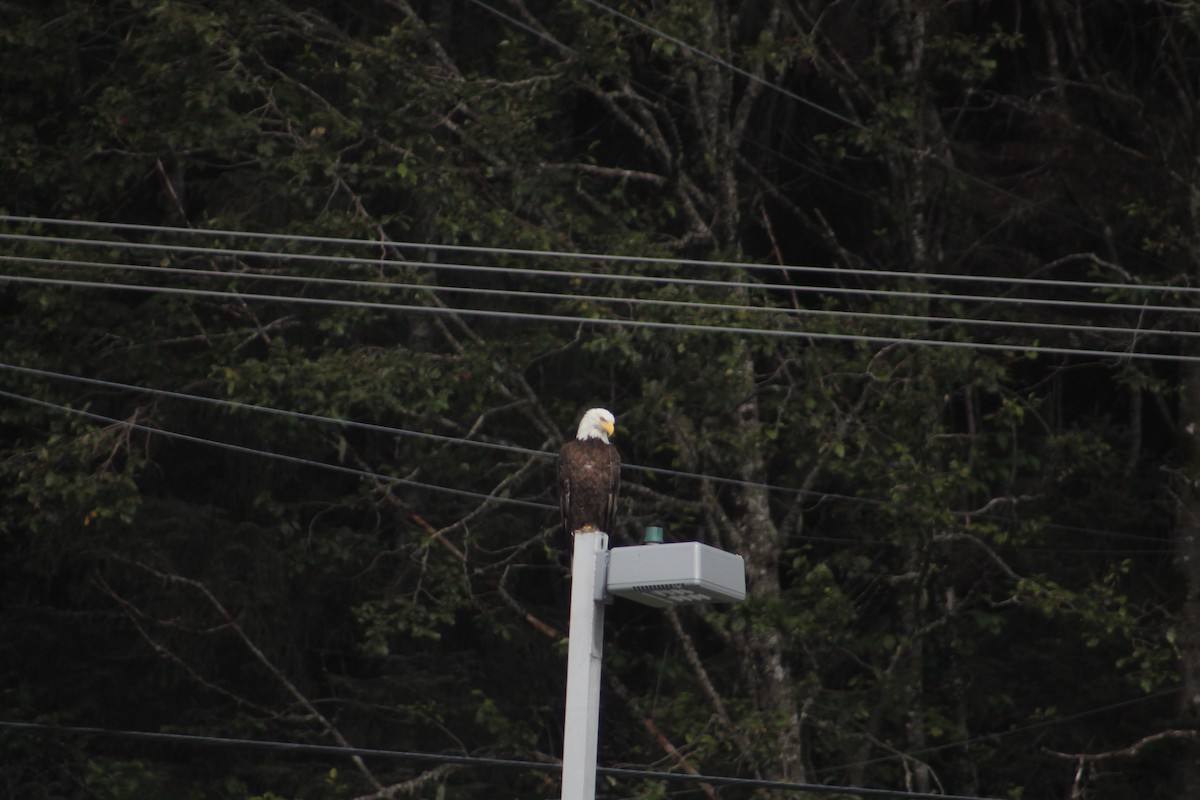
(589,475)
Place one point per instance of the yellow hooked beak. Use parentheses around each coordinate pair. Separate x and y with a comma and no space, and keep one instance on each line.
(608,427)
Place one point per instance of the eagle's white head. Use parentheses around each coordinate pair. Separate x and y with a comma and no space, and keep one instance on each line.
(597,423)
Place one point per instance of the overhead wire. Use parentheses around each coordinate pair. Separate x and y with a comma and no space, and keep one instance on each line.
(1140,331)
(925,156)
(939,161)
(453,440)
(589,276)
(509,270)
(396,431)
(239,295)
(615,772)
(445,439)
(744,73)
(243,449)
(374,262)
(538,765)
(495,251)
(301,415)
(470,761)
(668,100)
(444,309)
(196,272)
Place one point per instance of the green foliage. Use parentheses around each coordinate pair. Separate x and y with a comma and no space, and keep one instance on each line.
(937,539)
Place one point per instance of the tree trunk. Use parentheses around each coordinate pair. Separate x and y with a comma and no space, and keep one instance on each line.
(761,538)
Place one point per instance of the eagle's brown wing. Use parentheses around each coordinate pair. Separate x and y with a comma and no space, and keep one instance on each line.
(589,475)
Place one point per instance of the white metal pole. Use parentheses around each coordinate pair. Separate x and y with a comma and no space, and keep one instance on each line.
(585,645)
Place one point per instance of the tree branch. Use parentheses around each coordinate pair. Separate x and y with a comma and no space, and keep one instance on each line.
(291,688)
(1130,751)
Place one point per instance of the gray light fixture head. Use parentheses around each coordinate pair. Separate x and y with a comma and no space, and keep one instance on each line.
(679,573)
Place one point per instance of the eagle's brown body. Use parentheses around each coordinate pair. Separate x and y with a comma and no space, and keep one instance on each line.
(589,477)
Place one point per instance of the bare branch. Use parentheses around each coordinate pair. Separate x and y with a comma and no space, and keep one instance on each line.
(330,729)
(616,173)
(135,616)
(412,785)
(537,624)
(975,540)
(1133,749)
(710,691)
(656,734)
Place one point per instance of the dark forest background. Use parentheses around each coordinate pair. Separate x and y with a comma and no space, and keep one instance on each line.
(973,558)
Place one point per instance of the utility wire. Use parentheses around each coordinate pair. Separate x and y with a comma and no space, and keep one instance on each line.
(453,440)
(236,405)
(472,761)
(779,155)
(386,429)
(544,254)
(240,406)
(587,298)
(670,101)
(750,76)
(237,448)
(787,288)
(637,773)
(252,252)
(929,157)
(948,166)
(613,322)
(1141,308)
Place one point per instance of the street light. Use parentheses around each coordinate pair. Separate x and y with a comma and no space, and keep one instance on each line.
(681,573)
(657,575)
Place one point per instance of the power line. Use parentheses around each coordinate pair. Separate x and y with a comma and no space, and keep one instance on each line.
(537,272)
(390,430)
(642,773)
(1140,308)
(649,470)
(237,405)
(469,761)
(547,254)
(779,155)
(927,157)
(750,76)
(237,448)
(386,429)
(614,322)
(279,746)
(589,298)
(454,440)
(670,101)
